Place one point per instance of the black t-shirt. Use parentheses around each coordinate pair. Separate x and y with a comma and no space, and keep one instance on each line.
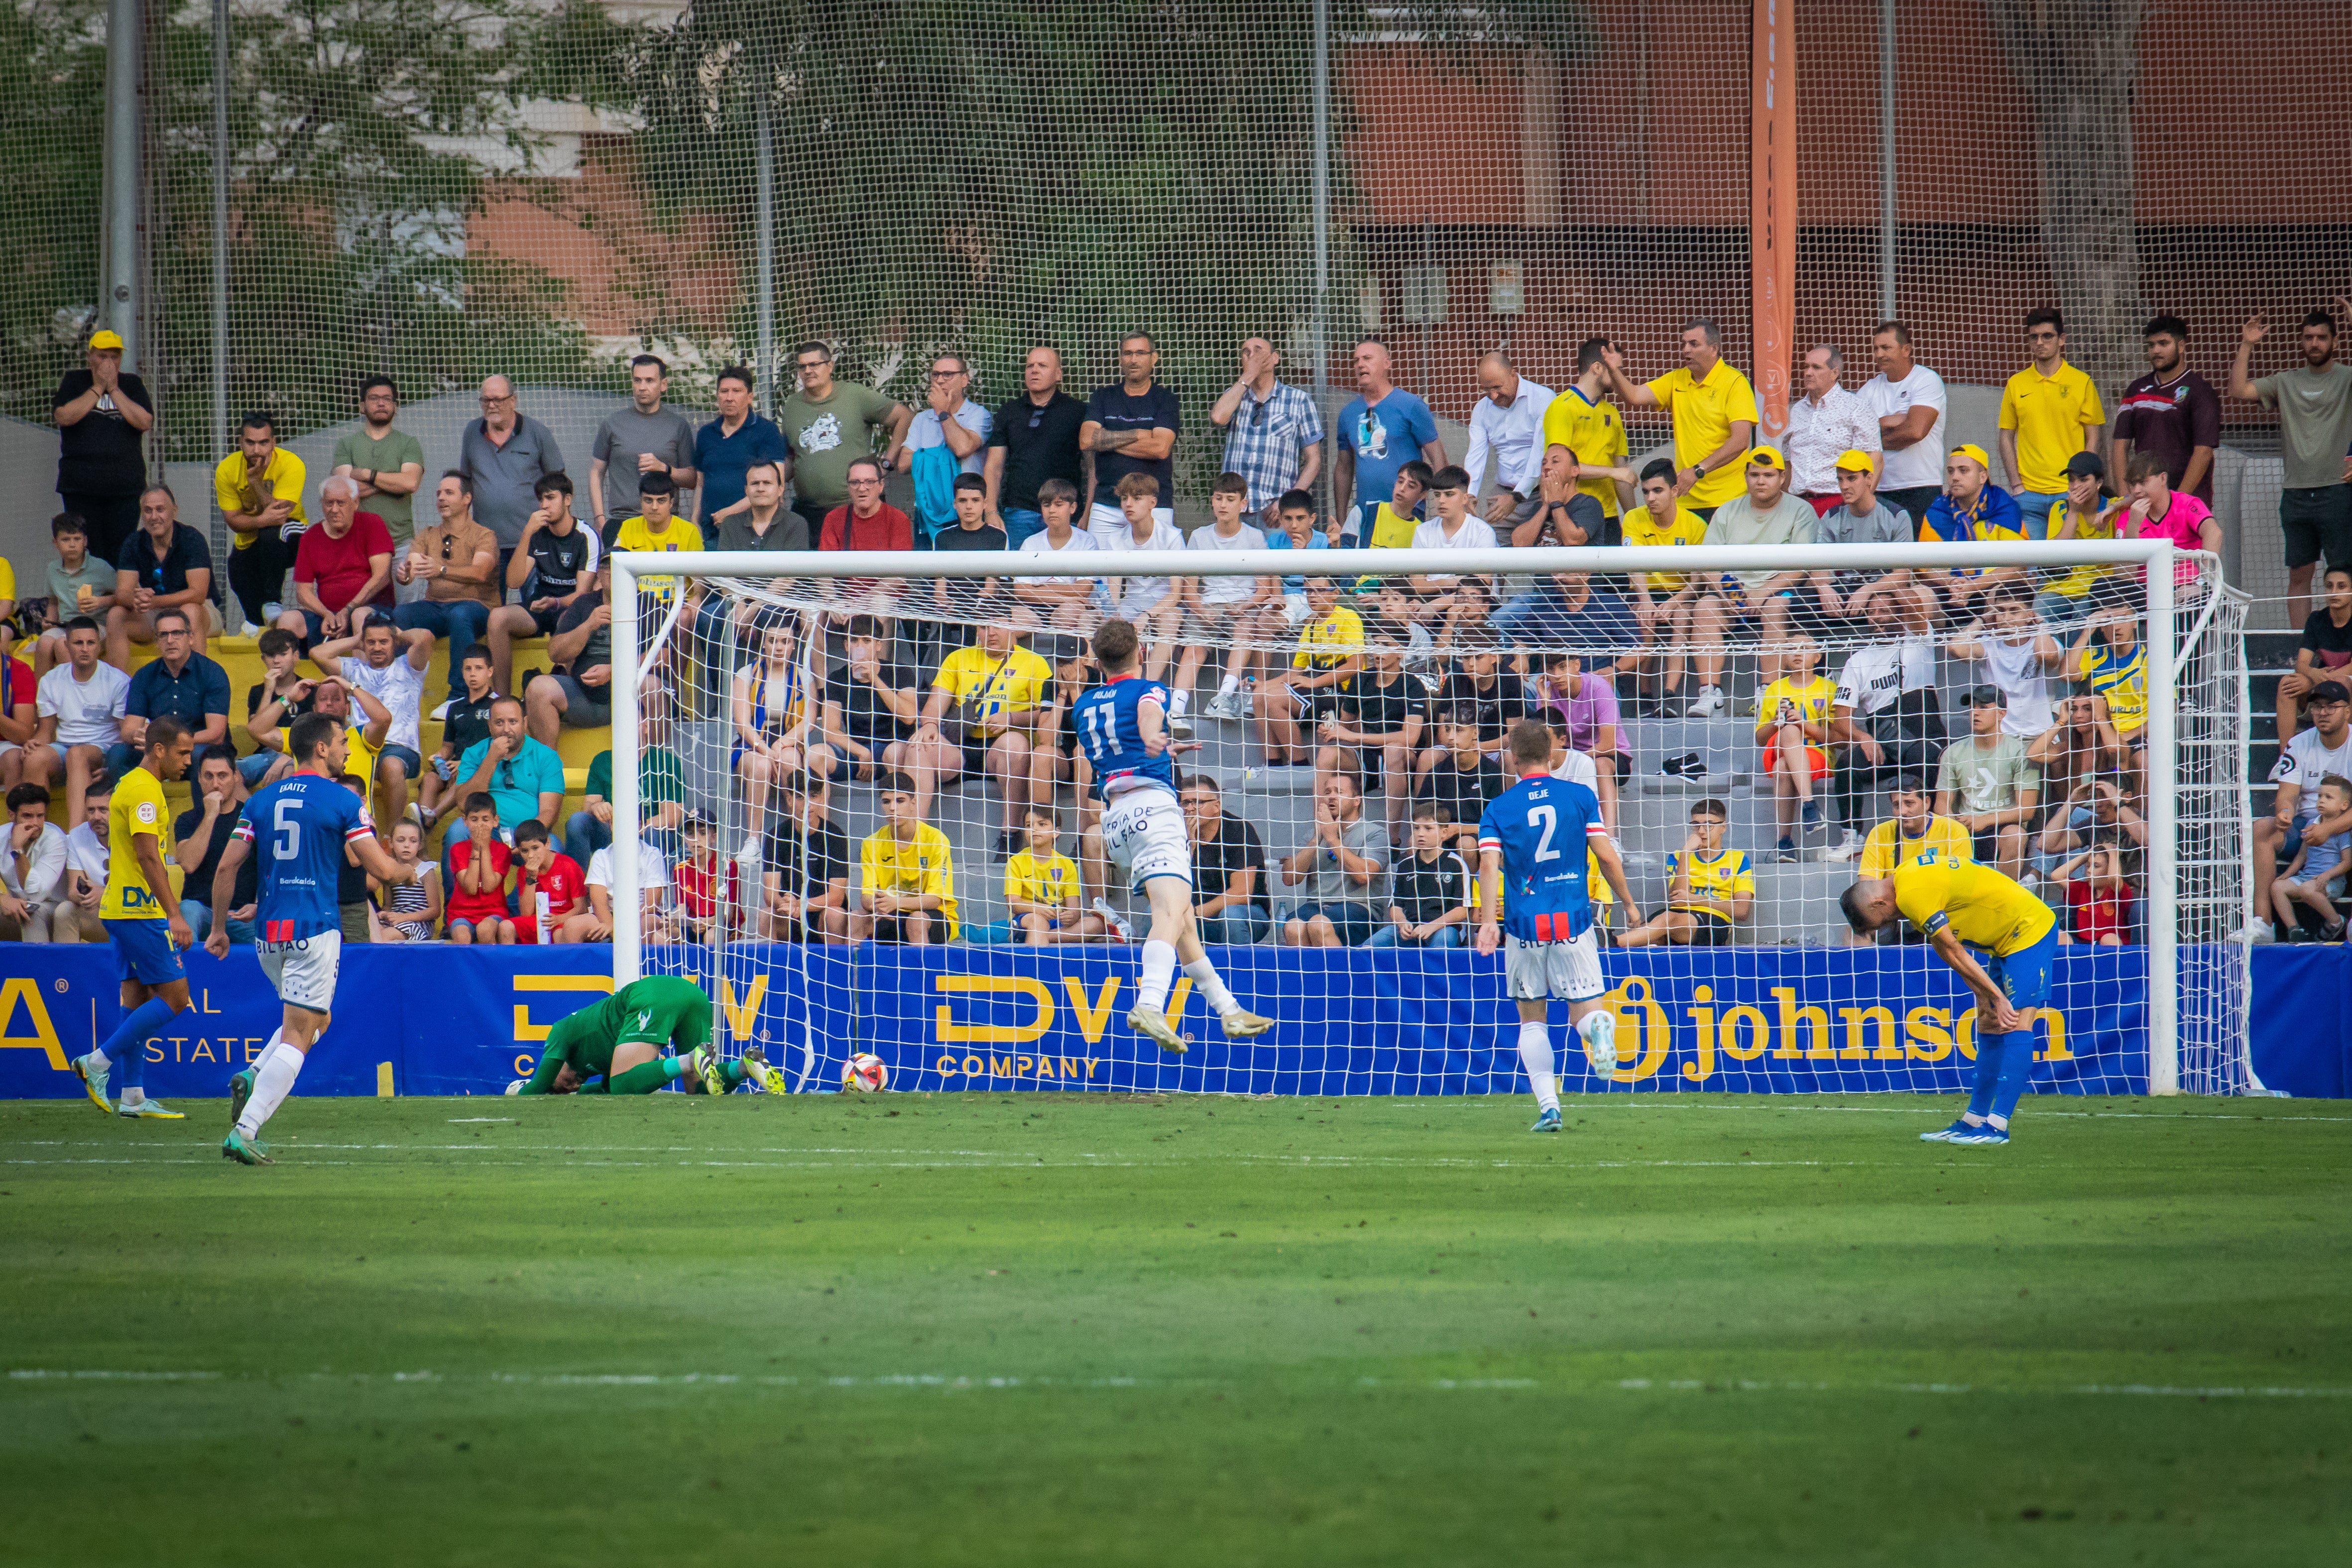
(1234,848)
(198,878)
(557,564)
(1039,444)
(862,714)
(2330,645)
(1376,710)
(468,721)
(1426,889)
(188,553)
(1498,705)
(597,650)
(1114,408)
(2170,421)
(804,861)
(971,596)
(1464,790)
(100,454)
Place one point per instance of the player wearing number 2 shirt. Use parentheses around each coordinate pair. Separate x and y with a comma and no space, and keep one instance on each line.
(1532,844)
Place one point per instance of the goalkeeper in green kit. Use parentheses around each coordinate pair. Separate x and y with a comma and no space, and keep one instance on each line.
(614,1047)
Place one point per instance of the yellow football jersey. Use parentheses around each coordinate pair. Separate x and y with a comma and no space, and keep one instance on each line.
(1980,905)
(679,535)
(2122,681)
(919,866)
(1053,882)
(1811,700)
(1726,876)
(1595,432)
(1642,526)
(994,687)
(1329,640)
(137,807)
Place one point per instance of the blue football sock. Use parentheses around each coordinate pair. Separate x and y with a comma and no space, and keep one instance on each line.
(1991,1051)
(126,1048)
(2016,1072)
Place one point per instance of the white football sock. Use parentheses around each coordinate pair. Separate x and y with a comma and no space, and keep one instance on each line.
(1211,987)
(1229,685)
(1159,973)
(272,1082)
(1999,1122)
(268,1047)
(98,1059)
(133,1095)
(1535,1055)
(1972,1119)
(1179,700)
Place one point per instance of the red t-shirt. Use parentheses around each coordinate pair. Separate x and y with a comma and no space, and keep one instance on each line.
(2097,911)
(465,906)
(566,889)
(887,529)
(340,566)
(697,889)
(17,687)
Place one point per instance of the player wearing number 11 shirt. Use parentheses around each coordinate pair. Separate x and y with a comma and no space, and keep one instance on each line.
(1531,849)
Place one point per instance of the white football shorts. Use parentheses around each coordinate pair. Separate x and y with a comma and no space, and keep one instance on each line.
(1143,833)
(1568,970)
(303,970)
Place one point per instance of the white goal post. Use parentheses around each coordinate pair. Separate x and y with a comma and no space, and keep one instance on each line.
(2204,619)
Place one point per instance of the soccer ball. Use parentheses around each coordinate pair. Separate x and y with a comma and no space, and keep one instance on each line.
(864,1074)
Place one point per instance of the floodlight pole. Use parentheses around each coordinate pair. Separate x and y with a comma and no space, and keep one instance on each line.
(628,932)
(1321,327)
(126,57)
(764,251)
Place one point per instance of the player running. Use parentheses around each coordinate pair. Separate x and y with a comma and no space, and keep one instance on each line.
(1533,839)
(614,1047)
(1122,725)
(1967,910)
(143,924)
(302,824)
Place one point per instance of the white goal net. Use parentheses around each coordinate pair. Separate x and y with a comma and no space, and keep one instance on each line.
(866,825)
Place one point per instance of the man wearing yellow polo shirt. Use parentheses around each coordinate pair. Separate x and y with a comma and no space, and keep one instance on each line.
(1713,413)
(1583,421)
(2048,411)
(259,489)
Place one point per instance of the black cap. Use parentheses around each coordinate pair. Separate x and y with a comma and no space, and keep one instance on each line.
(1984,696)
(2329,691)
(2086,466)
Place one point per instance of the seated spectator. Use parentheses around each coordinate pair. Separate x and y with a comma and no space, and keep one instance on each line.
(548,888)
(2101,904)
(1395,520)
(1292,704)
(1234,614)
(391,668)
(2322,748)
(2110,661)
(285,691)
(1445,602)
(80,707)
(522,776)
(2325,651)
(1153,604)
(32,869)
(1482,693)
(1710,890)
(199,836)
(1228,898)
(1066,603)
(1987,782)
(458,562)
(181,682)
(2085,514)
(758,525)
(869,706)
(1556,518)
(770,714)
(1464,778)
(20,713)
(80,581)
(1295,529)
(1342,867)
(1041,891)
(1734,601)
(75,918)
(2090,811)
(335,697)
(1429,897)
(661,803)
(981,718)
(908,874)
(805,890)
(555,566)
(578,694)
(1887,716)
(1376,727)
(1836,604)
(1661,602)
(1793,726)
(351,905)
(165,565)
(654,921)
(1577,611)
(2019,655)
(865,521)
(1583,705)
(342,568)
(2315,877)
(710,906)
(479,864)
(1970,508)
(406,911)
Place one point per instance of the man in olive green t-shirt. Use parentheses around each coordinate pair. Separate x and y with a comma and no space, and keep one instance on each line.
(829,425)
(388,465)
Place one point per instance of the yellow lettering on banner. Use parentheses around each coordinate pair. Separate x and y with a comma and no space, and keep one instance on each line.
(973,1066)
(525,1031)
(946,1031)
(202,1053)
(999,1067)
(1964,1033)
(1760,1031)
(524,1066)
(946,1066)
(44,1038)
(2055,1051)
(1637,1010)
(743,1019)
(1069,1067)
(1176,1000)
(1090,1065)
(1021,1067)
(1928,1034)
(1092,1020)
(1792,1016)
(205,1000)
(1857,1020)
(1703,1018)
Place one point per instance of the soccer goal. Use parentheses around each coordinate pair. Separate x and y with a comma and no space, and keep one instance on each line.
(864,823)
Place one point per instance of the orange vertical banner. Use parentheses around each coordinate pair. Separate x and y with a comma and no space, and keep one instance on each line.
(1772,216)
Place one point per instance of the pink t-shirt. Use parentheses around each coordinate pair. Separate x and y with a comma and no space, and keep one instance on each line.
(2183,523)
(1594,704)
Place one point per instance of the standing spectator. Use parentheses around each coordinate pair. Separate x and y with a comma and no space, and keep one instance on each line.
(1381,429)
(2086,514)
(180,682)
(726,449)
(198,837)
(1229,900)
(1274,437)
(503,454)
(2323,747)
(2313,401)
(82,705)
(32,868)
(661,803)
(830,425)
(1827,425)
(391,668)
(1507,424)
(1986,782)
(522,776)
(387,465)
(1764,515)
(2049,411)
(633,442)
(1429,897)
(1972,508)
(1711,407)
(342,569)
(2172,412)
(1886,718)
(103,414)
(1131,428)
(163,565)
(258,487)
(553,567)
(1910,403)
(577,694)
(1343,868)
(1584,423)
(947,440)
(458,562)
(1035,439)
(2325,651)
(80,583)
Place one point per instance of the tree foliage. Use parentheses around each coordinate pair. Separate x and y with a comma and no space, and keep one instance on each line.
(52,134)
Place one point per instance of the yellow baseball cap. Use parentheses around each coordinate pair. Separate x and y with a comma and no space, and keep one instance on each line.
(1973,453)
(106,338)
(1767,458)
(1853,459)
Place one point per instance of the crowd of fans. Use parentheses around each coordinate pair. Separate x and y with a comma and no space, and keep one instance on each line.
(1400,686)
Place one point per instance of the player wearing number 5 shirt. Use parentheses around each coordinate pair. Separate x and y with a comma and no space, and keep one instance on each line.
(1532,844)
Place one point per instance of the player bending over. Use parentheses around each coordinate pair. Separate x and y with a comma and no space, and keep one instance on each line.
(1533,839)
(614,1047)
(299,829)
(1123,727)
(1967,910)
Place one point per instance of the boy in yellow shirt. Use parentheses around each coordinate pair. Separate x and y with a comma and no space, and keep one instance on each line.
(1041,890)
(908,874)
(1792,720)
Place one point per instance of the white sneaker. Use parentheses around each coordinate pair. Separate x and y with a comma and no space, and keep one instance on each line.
(270,610)
(1180,724)
(749,854)
(1119,930)
(1848,847)
(1709,703)
(1226,705)
(2255,933)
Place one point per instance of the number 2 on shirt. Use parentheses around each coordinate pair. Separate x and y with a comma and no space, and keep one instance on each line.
(1550,820)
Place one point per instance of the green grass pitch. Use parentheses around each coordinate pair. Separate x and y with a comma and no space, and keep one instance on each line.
(1034,1330)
